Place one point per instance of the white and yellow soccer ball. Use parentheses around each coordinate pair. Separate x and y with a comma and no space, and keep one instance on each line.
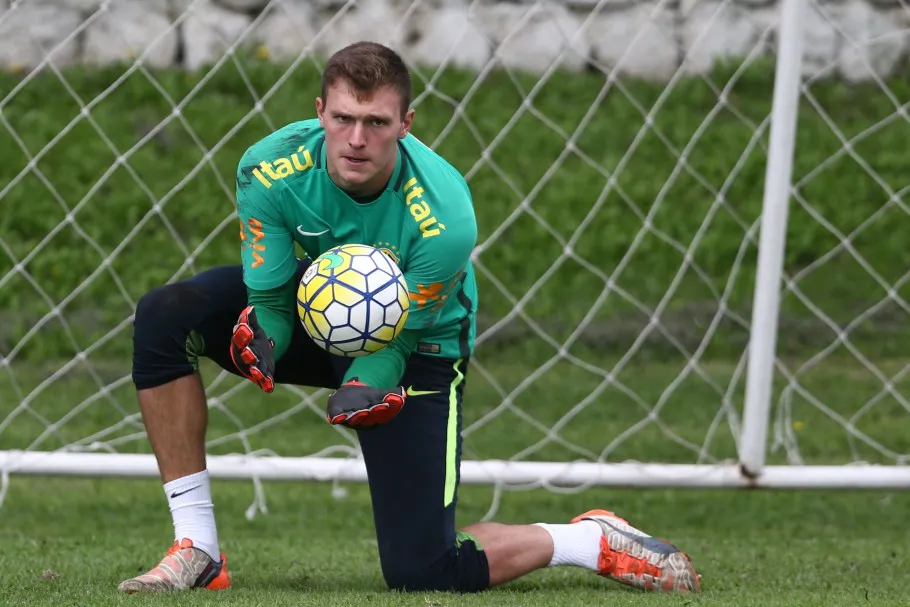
(353,300)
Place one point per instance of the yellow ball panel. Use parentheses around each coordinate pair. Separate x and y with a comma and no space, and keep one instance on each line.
(322,299)
(403,298)
(345,296)
(353,279)
(356,249)
(401,321)
(305,291)
(309,326)
(371,346)
(318,321)
(384,333)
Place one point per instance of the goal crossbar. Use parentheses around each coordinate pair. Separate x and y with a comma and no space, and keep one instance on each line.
(486,472)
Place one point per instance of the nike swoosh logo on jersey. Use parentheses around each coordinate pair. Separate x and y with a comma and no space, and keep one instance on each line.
(305,233)
(412,392)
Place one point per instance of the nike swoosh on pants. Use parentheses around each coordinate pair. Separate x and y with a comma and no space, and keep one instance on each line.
(412,392)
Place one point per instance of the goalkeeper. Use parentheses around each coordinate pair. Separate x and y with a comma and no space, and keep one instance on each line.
(355,174)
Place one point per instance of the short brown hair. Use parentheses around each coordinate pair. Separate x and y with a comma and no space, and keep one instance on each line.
(368,67)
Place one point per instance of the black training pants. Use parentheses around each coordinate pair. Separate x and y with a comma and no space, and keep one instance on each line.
(412,462)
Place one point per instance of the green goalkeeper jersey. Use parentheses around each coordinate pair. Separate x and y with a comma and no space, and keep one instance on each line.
(424,218)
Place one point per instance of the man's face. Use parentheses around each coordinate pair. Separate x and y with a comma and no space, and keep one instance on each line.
(361,137)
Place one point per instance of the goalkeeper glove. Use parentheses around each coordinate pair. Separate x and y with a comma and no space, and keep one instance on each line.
(251,351)
(357,405)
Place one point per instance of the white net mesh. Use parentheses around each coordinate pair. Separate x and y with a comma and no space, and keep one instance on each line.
(844,397)
(616,155)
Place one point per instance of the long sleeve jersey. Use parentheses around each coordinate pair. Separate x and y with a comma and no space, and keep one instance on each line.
(424,219)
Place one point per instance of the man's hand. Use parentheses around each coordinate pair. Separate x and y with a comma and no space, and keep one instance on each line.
(357,405)
(251,351)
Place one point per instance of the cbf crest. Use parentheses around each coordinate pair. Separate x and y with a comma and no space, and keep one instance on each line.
(389,250)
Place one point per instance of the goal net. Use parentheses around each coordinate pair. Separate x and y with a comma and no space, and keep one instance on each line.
(619,159)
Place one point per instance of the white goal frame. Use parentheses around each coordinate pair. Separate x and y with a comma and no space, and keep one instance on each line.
(750,471)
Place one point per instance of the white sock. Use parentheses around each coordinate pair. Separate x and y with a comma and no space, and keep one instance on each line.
(190,501)
(575,544)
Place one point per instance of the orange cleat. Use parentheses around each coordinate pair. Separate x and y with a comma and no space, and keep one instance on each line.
(183,567)
(636,559)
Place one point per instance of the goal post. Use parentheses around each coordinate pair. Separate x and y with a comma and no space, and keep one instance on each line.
(776,201)
(692,226)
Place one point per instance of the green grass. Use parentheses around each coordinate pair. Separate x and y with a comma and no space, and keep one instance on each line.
(70,541)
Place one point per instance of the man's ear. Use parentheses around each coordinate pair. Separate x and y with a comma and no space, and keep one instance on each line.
(320,111)
(406,124)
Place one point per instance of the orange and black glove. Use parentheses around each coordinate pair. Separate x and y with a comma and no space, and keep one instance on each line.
(251,351)
(357,405)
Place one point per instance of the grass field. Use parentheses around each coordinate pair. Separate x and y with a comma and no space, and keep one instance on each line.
(91,235)
(70,541)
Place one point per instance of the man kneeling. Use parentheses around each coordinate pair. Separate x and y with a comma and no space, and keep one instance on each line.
(356,174)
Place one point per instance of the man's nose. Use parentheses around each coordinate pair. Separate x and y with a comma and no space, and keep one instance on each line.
(357,139)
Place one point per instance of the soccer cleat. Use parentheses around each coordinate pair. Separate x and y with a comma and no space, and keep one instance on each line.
(636,559)
(183,567)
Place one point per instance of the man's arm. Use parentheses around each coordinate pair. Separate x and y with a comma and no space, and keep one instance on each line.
(276,314)
(267,251)
(384,369)
(264,328)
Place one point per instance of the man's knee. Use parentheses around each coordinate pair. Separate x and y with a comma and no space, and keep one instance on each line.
(164,342)
(163,303)
(462,568)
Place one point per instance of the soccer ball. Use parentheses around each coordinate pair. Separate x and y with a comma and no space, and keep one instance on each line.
(353,300)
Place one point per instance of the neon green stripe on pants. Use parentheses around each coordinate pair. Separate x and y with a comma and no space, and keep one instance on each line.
(452,436)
